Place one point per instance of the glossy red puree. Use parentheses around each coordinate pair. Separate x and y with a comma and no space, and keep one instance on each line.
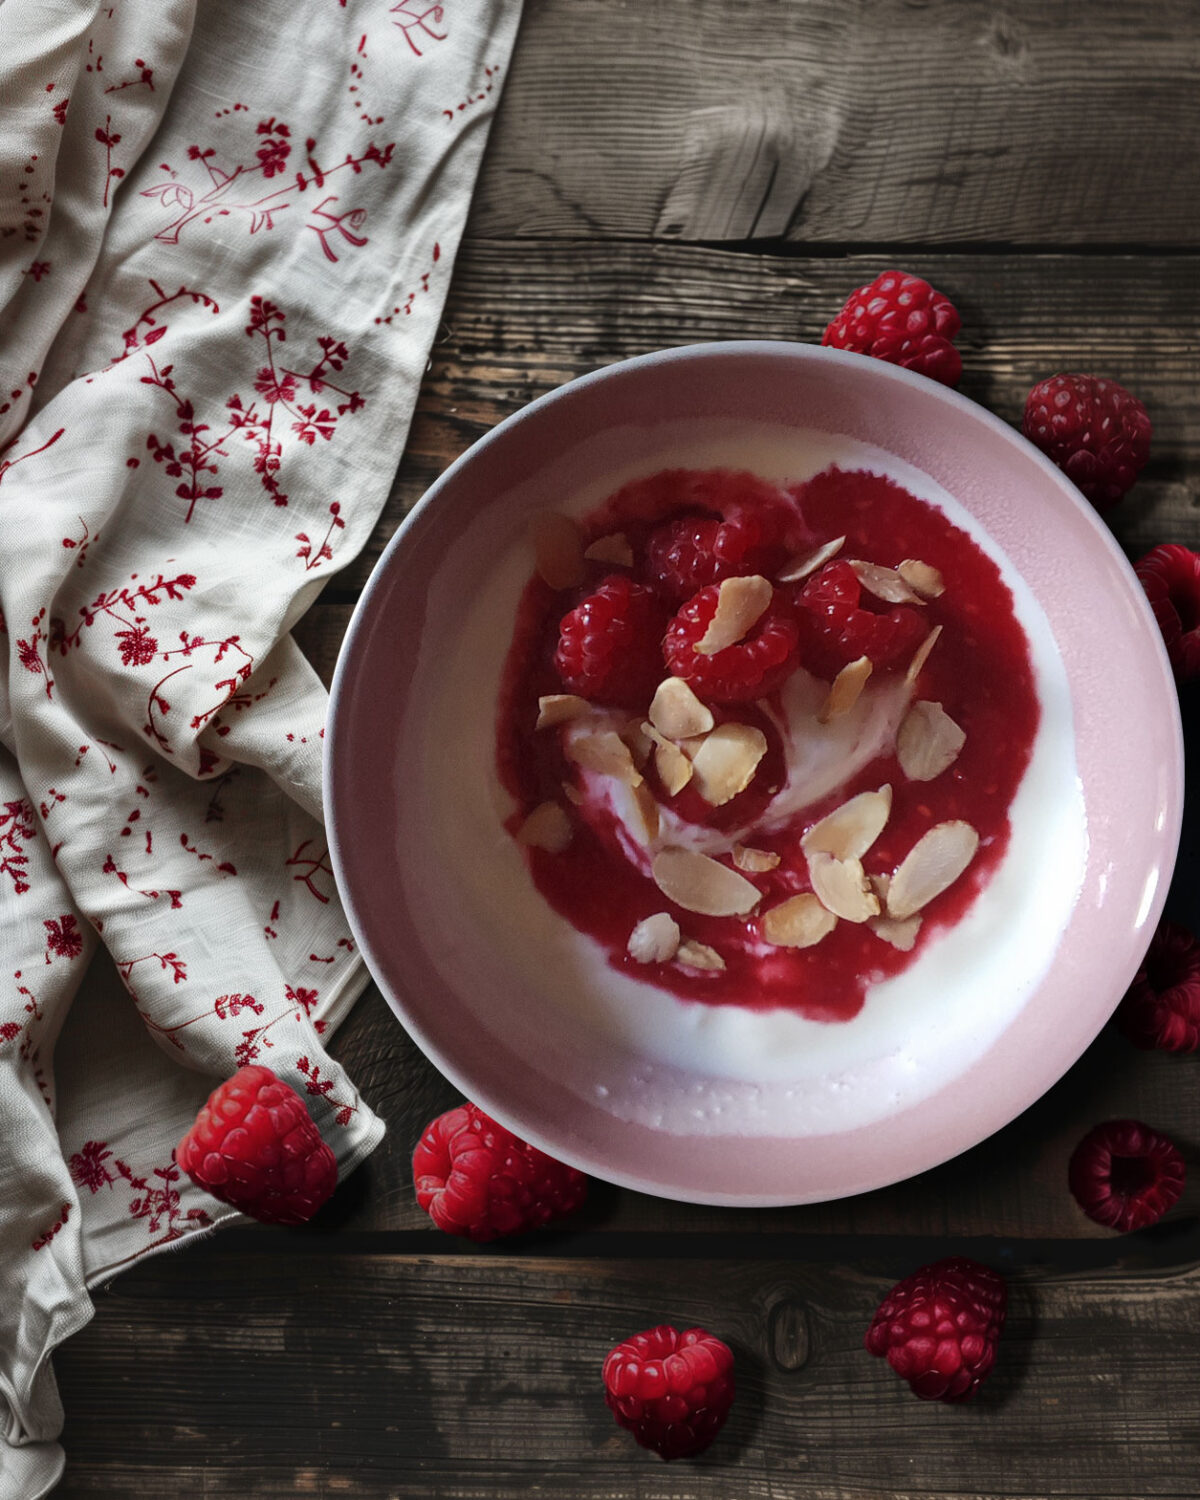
(979,671)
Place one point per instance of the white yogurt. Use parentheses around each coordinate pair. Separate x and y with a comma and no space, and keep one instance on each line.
(650,1056)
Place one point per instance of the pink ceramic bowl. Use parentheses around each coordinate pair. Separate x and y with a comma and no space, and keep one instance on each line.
(494,988)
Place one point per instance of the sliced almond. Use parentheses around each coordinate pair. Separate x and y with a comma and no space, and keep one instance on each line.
(921,655)
(902,935)
(850,830)
(845,689)
(557,549)
(611,549)
(673,767)
(928,742)
(559,708)
(547,827)
(639,742)
(573,795)
(754,861)
(604,751)
(694,955)
(801,567)
(799,922)
(643,820)
(700,884)
(843,887)
(726,762)
(932,865)
(923,577)
(676,711)
(741,603)
(654,940)
(884,583)
(692,744)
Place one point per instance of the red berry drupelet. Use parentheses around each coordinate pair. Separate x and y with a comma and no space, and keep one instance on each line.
(1170,577)
(842,628)
(255,1146)
(686,554)
(939,1328)
(608,646)
(475,1178)
(672,1390)
(1162,1008)
(1125,1175)
(903,320)
(756,665)
(1094,430)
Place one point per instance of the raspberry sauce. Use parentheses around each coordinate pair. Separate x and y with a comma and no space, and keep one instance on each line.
(979,671)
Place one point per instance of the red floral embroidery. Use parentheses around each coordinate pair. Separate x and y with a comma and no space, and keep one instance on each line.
(64,939)
(324,552)
(310,866)
(16,829)
(37,269)
(109,867)
(87,1166)
(145,76)
(345,225)
(413,16)
(159,1204)
(323,1088)
(491,75)
(109,138)
(166,961)
(60,110)
(44,1239)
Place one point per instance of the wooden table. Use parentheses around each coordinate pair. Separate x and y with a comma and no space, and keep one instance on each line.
(663,173)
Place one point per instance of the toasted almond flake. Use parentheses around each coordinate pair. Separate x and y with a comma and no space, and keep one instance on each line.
(879,884)
(842,887)
(611,549)
(639,742)
(850,830)
(741,603)
(923,577)
(694,955)
(928,742)
(932,865)
(884,583)
(547,827)
(557,549)
(644,820)
(845,689)
(921,655)
(691,745)
(801,567)
(655,940)
(558,708)
(573,795)
(799,922)
(673,767)
(676,711)
(754,861)
(602,750)
(726,762)
(700,884)
(902,935)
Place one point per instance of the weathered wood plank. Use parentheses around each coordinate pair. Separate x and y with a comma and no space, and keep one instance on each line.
(374,1376)
(906,121)
(522,319)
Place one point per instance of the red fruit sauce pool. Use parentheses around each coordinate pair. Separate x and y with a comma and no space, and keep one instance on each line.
(979,671)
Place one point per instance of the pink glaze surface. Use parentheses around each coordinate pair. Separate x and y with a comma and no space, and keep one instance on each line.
(1128,755)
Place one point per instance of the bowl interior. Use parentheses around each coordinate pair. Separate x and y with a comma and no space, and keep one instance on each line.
(492,985)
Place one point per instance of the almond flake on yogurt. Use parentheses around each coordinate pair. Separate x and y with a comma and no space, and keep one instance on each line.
(928,742)
(845,690)
(676,711)
(930,867)
(921,654)
(655,940)
(560,708)
(754,861)
(799,922)
(614,549)
(725,763)
(741,603)
(603,751)
(800,567)
(701,884)
(885,583)
(923,577)
(850,830)
(694,955)
(547,827)
(842,887)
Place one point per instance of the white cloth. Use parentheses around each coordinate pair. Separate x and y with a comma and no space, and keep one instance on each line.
(226,232)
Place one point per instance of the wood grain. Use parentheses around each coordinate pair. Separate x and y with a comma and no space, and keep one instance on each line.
(905,121)
(522,319)
(372,1376)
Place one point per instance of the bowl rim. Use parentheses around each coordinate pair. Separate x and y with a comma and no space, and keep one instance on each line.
(787,350)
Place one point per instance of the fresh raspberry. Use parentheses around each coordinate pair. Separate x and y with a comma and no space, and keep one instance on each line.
(608,646)
(475,1178)
(750,668)
(672,1390)
(939,1328)
(1170,576)
(690,552)
(1094,430)
(255,1146)
(1162,1008)
(903,320)
(1125,1175)
(845,628)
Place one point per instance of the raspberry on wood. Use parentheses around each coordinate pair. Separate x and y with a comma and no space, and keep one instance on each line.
(475,1178)
(255,1146)
(1126,1175)
(1170,578)
(672,1390)
(901,319)
(1094,430)
(939,1328)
